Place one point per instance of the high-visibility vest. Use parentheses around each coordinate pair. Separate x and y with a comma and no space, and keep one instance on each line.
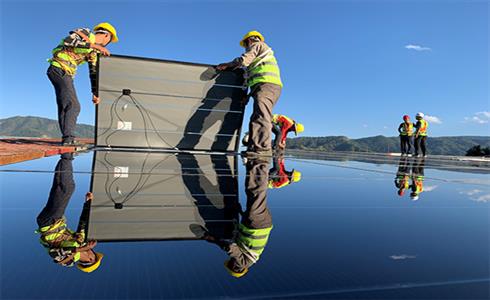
(407,128)
(282,120)
(279,182)
(69,58)
(423,127)
(264,69)
(419,184)
(58,235)
(403,181)
(253,240)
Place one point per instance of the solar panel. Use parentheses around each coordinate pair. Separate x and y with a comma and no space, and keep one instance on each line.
(150,103)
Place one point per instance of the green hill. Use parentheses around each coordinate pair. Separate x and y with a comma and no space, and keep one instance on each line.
(39,127)
(452,145)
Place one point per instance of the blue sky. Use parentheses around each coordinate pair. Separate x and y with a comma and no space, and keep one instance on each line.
(349,67)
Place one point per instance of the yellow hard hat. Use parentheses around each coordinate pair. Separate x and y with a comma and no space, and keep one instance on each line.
(296,176)
(92,267)
(233,273)
(110,28)
(298,128)
(249,34)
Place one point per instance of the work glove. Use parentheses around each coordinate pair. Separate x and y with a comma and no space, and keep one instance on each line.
(101,49)
(95,99)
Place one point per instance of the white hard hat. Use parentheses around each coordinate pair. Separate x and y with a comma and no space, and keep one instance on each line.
(419,114)
(414,198)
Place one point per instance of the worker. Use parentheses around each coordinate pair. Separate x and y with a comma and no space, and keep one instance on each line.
(402,179)
(279,177)
(417,179)
(65,246)
(281,126)
(420,135)
(406,131)
(264,81)
(252,233)
(82,45)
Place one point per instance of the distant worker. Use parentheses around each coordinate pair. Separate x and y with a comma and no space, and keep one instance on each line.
(65,246)
(281,126)
(279,177)
(264,80)
(417,179)
(82,45)
(402,179)
(406,131)
(420,135)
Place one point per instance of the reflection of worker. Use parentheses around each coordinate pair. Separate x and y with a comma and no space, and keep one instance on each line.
(281,126)
(252,234)
(417,179)
(406,131)
(402,179)
(264,81)
(82,45)
(64,245)
(279,177)
(420,135)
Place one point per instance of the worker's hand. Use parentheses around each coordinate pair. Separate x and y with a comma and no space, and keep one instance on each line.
(222,67)
(95,99)
(89,196)
(282,145)
(91,244)
(101,49)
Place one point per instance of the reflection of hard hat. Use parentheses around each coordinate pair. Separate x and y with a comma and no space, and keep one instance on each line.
(405,117)
(296,176)
(414,196)
(249,34)
(298,128)
(92,267)
(401,192)
(110,28)
(233,273)
(419,115)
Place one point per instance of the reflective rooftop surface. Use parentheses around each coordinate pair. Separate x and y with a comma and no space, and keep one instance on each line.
(327,226)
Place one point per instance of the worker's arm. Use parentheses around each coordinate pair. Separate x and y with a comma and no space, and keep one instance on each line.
(417,128)
(244,60)
(92,67)
(75,40)
(400,128)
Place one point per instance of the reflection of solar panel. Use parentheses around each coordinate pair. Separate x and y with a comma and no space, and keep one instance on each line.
(158,196)
(151,103)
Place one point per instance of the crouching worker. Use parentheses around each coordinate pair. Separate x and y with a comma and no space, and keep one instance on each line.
(65,246)
(281,126)
(82,45)
(279,177)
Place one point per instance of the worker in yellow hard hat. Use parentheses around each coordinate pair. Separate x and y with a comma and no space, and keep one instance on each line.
(82,45)
(253,231)
(264,80)
(65,246)
(281,126)
(279,177)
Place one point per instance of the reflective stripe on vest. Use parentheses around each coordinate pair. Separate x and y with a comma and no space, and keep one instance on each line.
(407,129)
(254,240)
(69,58)
(423,127)
(264,69)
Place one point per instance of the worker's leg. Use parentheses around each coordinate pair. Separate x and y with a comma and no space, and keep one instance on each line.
(409,145)
(416,145)
(422,144)
(60,194)
(402,144)
(257,214)
(260,127)
(66,98)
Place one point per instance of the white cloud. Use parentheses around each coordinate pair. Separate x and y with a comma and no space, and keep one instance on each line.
(417,47)
(477,195)
(402,257)
(471,192)
(433,119)
(430,188)
(481,117)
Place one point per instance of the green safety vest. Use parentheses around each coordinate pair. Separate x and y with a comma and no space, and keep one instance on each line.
(58,235)
(253,240)
(264,69)
(407,129)
(423,127)
(69,58)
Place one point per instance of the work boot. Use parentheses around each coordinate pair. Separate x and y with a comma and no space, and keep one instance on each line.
(73,143)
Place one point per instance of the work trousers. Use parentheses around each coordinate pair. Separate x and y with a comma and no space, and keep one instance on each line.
(420,144)
(257,215)
(265,97)
(66,98)
(405,144)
